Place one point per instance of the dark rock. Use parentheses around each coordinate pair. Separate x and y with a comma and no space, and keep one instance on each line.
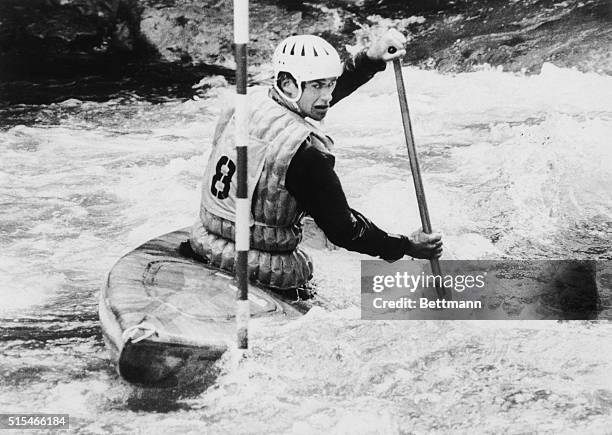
(518,35)
(38,33)
(43,39)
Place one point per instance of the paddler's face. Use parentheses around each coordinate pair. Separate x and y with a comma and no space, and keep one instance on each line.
(316,97)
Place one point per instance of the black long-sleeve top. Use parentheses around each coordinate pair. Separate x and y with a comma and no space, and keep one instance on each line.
(312,181)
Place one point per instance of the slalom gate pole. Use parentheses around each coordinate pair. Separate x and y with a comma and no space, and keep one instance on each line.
(241,40)
(416,171)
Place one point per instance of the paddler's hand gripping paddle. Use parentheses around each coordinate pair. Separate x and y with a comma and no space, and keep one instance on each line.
(443,293)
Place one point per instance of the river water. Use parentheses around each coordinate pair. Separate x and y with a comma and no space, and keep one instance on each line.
(514,167)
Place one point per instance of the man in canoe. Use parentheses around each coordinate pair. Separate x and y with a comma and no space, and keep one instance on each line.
(291,169)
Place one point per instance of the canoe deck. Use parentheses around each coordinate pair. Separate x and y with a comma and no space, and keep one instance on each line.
(167,318)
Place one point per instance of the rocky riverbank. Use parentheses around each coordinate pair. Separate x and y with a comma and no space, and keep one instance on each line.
(181,40)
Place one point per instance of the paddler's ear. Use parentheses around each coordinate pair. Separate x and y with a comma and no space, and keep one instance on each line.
(287,85)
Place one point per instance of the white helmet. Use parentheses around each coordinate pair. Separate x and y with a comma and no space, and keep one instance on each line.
(305,57)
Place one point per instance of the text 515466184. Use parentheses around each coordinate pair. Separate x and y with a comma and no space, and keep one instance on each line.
(34,421)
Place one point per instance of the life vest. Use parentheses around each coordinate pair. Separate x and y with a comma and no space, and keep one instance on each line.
(275,135)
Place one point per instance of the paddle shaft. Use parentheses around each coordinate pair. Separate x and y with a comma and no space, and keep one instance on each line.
(414,165)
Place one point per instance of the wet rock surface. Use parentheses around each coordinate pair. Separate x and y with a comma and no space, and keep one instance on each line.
(446,35)
(64,37)
(196,31)
(517,35)
(161,41)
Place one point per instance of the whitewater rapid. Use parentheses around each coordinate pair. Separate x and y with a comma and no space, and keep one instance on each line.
(514,166)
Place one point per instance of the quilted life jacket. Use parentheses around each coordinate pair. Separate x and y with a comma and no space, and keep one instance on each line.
(275,134)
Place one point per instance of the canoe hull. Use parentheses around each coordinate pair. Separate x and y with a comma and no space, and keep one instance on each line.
(167,319)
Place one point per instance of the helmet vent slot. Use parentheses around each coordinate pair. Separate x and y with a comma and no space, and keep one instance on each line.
(306,58)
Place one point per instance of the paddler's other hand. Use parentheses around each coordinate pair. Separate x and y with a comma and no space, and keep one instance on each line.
(423,245)
(379,50)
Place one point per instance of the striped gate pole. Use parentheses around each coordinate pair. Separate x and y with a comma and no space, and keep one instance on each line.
(241,39)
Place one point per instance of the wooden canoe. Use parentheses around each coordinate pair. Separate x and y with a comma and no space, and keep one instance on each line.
(167,318)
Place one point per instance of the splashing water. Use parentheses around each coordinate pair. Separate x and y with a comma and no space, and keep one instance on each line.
(513,165)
